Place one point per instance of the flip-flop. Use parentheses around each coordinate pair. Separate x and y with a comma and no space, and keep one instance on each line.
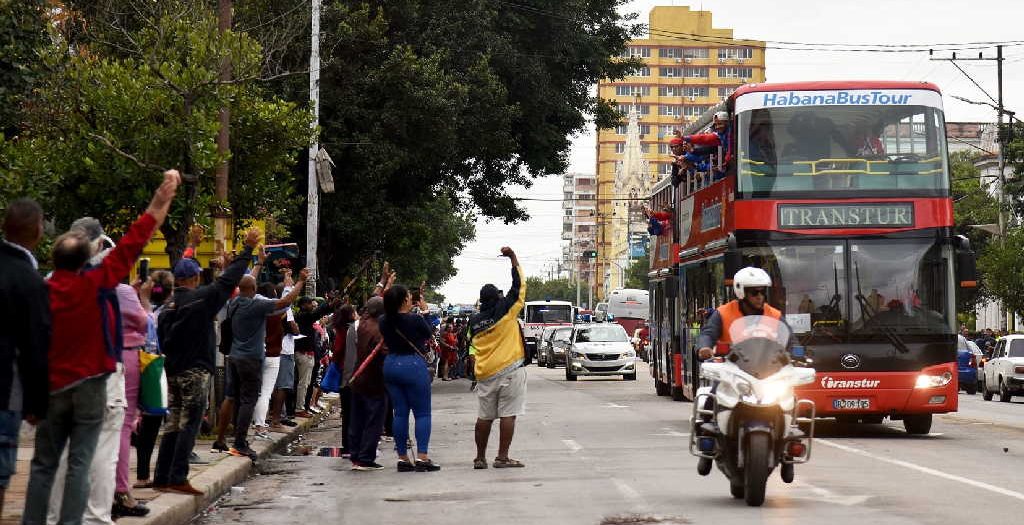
(507,463)
(479,464)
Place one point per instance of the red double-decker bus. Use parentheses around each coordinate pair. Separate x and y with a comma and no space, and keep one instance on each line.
(841,192)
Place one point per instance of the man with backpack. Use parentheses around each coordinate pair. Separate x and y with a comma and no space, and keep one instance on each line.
(187,340)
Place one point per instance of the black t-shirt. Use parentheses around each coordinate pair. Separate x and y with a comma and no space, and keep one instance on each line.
(185,329)
(413,326)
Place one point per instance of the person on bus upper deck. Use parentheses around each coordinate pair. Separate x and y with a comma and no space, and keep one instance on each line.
(722,136)
(751,288)
(678,147)
(660,221)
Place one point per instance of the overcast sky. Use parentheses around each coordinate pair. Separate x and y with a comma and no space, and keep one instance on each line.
(538,241)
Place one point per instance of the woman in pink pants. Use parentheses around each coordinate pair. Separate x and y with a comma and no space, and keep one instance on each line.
(134,321)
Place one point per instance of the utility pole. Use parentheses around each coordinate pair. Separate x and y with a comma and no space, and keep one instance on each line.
(313,192)
(1001,137)
(220,191)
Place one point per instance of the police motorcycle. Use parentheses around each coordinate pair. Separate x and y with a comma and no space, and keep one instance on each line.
(747,421)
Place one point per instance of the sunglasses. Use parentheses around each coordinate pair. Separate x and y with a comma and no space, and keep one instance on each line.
(756,291)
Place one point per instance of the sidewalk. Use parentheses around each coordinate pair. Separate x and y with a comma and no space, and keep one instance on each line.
(215,478)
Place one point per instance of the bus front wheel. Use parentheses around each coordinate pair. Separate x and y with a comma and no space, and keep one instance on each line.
(918,424)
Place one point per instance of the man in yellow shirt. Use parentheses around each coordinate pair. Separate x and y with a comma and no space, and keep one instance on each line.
(500,357)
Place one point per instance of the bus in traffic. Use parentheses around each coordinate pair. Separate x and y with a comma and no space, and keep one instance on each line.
(841,192)
(538,315)
(629,307)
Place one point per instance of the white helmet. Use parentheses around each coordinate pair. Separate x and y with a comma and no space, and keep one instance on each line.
(752,277)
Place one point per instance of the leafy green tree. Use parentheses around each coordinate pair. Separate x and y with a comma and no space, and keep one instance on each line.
(154,105)
(636,273)
(1000,264)
(538,289)
(23,33)
(436,106)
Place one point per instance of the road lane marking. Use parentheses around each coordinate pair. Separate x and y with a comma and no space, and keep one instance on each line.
(671,432)
(630,494)
(573,446)
(613,405)
(925,470)
(827,496)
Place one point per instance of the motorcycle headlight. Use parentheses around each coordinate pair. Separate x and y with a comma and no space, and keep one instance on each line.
(932,381)
(743,388)
(775,391)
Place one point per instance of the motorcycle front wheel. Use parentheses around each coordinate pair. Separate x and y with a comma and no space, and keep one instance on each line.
(756,469)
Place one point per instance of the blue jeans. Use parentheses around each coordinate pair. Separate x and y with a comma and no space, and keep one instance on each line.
(408,382)
(10,424)
(366,424)
(74,419)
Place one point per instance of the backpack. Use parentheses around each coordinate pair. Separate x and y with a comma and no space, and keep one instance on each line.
(227,334)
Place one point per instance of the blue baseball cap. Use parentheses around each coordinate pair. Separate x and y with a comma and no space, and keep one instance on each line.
(186,269)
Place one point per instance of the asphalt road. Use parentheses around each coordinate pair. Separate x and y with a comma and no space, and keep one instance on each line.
(606,451)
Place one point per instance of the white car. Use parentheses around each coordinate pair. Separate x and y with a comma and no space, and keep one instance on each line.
(1004,373)
(600,350)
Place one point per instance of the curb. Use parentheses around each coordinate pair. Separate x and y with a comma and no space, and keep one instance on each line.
(217,480)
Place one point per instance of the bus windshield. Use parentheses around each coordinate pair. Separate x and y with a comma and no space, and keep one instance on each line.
(547,314)
(804,149)
(859,289)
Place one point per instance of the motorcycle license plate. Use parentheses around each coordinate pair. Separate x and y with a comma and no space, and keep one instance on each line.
(851,404)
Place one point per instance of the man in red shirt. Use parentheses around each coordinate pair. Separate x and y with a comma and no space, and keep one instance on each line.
(82,354)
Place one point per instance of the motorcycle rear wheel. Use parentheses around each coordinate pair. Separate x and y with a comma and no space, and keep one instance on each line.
(756,469)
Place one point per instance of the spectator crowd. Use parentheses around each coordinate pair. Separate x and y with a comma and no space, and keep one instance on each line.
(84,352)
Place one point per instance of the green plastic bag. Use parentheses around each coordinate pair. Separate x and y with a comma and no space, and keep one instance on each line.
(152,384)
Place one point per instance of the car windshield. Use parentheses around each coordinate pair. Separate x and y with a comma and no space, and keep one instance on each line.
(562,335)
(815,149)
(858,288)
(1016,348)
(601,334)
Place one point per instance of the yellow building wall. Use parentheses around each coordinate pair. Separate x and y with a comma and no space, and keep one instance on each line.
(687,29)
(158,259)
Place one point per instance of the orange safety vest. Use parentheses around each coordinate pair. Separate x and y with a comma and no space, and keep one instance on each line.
(730,312)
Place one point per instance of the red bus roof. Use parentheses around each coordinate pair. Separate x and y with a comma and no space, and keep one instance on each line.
(821,85)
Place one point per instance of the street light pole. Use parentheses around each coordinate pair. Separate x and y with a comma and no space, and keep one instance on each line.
(313,192)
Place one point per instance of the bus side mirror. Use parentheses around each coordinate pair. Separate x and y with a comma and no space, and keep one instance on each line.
(966,266)
(733,259)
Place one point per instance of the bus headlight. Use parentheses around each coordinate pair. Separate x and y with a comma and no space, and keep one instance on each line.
(933,381)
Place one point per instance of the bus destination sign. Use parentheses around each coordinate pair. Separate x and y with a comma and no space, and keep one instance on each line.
(858,215)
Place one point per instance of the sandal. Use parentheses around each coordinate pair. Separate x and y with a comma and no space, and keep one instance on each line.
(507,463)
(479,464)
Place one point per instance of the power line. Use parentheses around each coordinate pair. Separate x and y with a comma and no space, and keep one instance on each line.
(976,84)
(802,46)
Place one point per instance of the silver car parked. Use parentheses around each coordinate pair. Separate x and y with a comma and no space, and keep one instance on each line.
(554,346)
(600,350)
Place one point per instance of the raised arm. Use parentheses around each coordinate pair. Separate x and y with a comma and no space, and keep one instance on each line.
(517,293)
(118,263)
(292,295)
(234,271)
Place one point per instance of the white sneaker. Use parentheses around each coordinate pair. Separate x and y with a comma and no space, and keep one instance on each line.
(262,434)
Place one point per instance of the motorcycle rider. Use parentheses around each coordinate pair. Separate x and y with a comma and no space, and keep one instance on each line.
(750,285)
(751,288)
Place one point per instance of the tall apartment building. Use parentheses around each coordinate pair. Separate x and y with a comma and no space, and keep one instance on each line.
(579,226)
(689,66)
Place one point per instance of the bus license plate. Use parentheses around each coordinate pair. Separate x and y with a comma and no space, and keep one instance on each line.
(851,404)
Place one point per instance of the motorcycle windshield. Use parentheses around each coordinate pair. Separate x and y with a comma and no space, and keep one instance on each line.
(759,345)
